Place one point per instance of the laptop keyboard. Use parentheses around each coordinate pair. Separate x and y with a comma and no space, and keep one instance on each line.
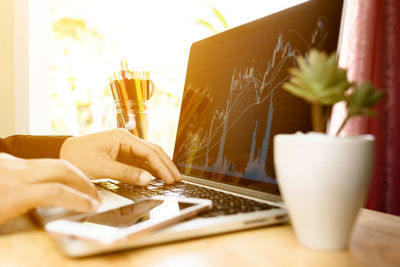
(223,203)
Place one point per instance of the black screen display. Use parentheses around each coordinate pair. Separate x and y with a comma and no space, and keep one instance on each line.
(233,104)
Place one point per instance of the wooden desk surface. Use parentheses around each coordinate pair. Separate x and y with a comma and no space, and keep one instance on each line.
(375,242)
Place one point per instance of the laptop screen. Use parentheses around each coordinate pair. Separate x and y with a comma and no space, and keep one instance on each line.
(233,103)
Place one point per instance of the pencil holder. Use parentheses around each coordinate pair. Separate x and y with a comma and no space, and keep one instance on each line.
(120,114)
(138,116)
(131,91)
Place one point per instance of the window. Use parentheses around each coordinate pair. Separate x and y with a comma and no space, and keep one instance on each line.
(89,38)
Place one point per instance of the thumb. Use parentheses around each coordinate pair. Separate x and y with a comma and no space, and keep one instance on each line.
(126,173)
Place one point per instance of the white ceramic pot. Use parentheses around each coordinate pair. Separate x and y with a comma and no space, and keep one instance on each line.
(324,181)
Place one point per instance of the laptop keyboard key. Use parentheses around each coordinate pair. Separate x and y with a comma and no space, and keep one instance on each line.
(223,203)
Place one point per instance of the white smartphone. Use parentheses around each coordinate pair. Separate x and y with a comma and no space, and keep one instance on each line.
(116,224)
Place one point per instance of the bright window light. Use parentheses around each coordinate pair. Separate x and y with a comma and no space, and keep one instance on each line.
(91,37)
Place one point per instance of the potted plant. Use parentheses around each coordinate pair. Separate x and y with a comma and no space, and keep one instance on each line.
(323,178)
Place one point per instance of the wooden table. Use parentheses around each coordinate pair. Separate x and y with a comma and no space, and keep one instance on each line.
(375,242)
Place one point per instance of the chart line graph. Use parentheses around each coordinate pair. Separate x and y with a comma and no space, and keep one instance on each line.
(257,90)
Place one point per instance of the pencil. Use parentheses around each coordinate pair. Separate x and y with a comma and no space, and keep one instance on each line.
(119,101)
(139,99)
(125,100)
(143,85)
(147,78)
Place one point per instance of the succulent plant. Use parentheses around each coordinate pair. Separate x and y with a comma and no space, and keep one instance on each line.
(320,81)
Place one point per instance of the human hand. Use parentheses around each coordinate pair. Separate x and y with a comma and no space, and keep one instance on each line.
(119,155)
(25,184)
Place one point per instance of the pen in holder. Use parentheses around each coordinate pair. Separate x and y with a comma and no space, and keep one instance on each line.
(132,91)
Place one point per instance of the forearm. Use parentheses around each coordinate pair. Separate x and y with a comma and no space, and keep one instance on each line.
(30,146)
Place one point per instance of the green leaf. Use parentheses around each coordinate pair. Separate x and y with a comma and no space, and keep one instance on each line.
(362,99)
(214,28)
(207,25)
(299,92)
(318,79)
(220,18)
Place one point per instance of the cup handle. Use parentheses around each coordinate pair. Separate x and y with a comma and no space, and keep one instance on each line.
(152,88)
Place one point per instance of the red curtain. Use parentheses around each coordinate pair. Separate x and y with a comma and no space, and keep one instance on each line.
(370,50)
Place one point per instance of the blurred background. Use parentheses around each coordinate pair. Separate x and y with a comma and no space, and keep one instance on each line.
(89,38)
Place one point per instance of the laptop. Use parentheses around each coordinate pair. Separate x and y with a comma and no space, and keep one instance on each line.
(232,106)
